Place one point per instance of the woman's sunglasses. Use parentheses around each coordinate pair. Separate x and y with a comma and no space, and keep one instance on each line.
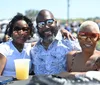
(25,29)
(85,35)
(48,22)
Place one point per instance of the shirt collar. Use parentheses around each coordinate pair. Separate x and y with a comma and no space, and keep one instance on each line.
(59,35)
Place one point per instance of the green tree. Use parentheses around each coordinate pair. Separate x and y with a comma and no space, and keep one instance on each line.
(31,14)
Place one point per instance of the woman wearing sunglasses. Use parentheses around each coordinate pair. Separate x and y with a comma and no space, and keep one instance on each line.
(88,58)
(19,29)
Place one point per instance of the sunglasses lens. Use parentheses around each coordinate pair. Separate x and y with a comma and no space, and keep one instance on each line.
(83,37)
(92,36)
(17,28)
(25,29)
(41,24)
(50,21)
(47,22)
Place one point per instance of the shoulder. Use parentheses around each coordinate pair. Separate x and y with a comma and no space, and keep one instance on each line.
(5,44)
(5,48)
(35,47)
(71,54)
(96,55)
(98,52)
(70,58)
(33,44)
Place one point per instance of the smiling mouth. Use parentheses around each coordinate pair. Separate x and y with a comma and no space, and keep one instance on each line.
(88,45)
(48,33)
(21,38)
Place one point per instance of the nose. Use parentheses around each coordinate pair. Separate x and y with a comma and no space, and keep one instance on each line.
(46,26)
(21,32)
(88,39)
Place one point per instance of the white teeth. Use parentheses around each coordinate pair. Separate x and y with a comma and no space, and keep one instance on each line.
(87,45)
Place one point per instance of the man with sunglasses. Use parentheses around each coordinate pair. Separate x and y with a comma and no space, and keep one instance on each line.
(48,55)
(89,58)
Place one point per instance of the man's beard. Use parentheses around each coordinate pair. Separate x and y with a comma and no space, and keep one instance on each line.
(49,39)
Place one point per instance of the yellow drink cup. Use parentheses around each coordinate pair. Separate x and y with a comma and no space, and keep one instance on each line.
(22,68)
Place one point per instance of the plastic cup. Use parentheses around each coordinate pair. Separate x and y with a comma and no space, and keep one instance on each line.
(22,68)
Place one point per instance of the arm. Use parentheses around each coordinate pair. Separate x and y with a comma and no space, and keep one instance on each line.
(69,62)
(67,34)
(71,74)
(2,63)
(97,63)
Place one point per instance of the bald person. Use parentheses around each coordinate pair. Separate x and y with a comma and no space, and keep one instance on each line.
(88,58)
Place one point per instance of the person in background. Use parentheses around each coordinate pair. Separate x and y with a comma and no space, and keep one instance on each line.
(5,38)
(68,28)
(88,59)
(19,29)
(49,54)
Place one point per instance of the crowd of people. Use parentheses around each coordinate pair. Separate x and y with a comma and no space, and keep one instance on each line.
(56,51)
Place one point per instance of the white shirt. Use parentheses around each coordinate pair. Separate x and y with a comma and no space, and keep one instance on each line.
(11,53)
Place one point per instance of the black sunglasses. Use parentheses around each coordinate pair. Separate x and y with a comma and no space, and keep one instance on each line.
(26,29)
(48,22)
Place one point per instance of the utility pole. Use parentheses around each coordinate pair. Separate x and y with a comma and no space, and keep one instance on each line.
(68,5)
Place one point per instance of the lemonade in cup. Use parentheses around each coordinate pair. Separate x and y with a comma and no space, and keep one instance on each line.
(22,68)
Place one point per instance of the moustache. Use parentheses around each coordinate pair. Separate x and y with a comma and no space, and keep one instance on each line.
(46,30)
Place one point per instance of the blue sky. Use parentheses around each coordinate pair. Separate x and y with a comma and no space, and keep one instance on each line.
(78,8)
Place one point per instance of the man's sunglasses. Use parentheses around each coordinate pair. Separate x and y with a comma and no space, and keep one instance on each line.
(85,35)
(25,29)
(48,22)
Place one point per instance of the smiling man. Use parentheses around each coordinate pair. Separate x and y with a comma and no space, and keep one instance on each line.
(49,54)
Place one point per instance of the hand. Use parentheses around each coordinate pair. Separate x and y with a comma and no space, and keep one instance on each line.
(67,34)
(97,63)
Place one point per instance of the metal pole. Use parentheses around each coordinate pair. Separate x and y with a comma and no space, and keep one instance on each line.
(68,5)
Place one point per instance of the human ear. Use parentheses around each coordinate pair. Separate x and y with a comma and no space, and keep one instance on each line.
(98,38)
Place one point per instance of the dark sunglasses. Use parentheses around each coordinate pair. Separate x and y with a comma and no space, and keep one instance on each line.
(85,35)
(26,29)
(48,22)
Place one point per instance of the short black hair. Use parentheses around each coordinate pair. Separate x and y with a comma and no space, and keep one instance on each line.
(19,16)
